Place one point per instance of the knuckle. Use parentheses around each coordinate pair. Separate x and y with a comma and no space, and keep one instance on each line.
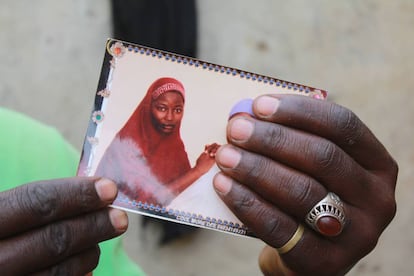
(93,258)
(98,226)
(347,123)
(270,226)
(389,209)
(246,201)
(302,194)
(274,138)
(271,230)
(258,168)
(369,238)
(40,200)
(57,239)
(385,205)
(96,256)
(325,155)
(87,195)
(393,169)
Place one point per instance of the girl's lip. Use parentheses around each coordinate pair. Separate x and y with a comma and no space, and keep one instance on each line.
(168,126)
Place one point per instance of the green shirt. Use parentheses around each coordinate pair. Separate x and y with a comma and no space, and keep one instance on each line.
(31,151)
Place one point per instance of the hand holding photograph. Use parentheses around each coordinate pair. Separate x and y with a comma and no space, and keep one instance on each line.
(157,122)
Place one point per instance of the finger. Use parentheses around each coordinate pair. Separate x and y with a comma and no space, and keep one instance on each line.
(292,191)
(52,244)
(264,219)
(39,203)
(311,154)
(326,119)
(271,264)
(276,228)
(80,264)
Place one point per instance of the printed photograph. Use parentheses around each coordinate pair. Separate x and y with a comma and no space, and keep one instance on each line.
(156,124)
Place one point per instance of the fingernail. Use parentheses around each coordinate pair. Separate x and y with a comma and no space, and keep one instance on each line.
(228,157)
(222,184)
(119,219)
(266,106)
(241,129)
(106,189)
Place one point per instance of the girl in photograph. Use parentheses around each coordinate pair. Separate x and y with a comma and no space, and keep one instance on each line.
(147,157)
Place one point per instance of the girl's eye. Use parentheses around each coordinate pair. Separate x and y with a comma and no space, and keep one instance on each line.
(178,110)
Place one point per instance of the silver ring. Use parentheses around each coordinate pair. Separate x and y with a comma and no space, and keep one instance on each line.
(327,217)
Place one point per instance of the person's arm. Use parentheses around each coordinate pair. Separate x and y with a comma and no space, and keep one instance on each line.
(276,169)
(204,163)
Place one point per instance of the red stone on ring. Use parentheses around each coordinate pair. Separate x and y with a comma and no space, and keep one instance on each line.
(329,226)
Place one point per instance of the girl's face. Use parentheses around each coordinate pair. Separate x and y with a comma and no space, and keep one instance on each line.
(167,112)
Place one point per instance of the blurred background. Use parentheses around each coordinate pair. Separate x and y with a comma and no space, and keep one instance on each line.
(360,51)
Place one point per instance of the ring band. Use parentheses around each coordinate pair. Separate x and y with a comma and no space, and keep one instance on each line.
(292,241)
(328,216)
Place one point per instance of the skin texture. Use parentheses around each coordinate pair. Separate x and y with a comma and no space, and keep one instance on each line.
(61,221)
(277,166)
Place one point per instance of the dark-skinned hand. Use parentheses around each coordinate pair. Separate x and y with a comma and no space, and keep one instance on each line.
(53,227)
(281,163)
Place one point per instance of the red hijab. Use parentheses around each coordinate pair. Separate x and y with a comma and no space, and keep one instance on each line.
(165,154)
